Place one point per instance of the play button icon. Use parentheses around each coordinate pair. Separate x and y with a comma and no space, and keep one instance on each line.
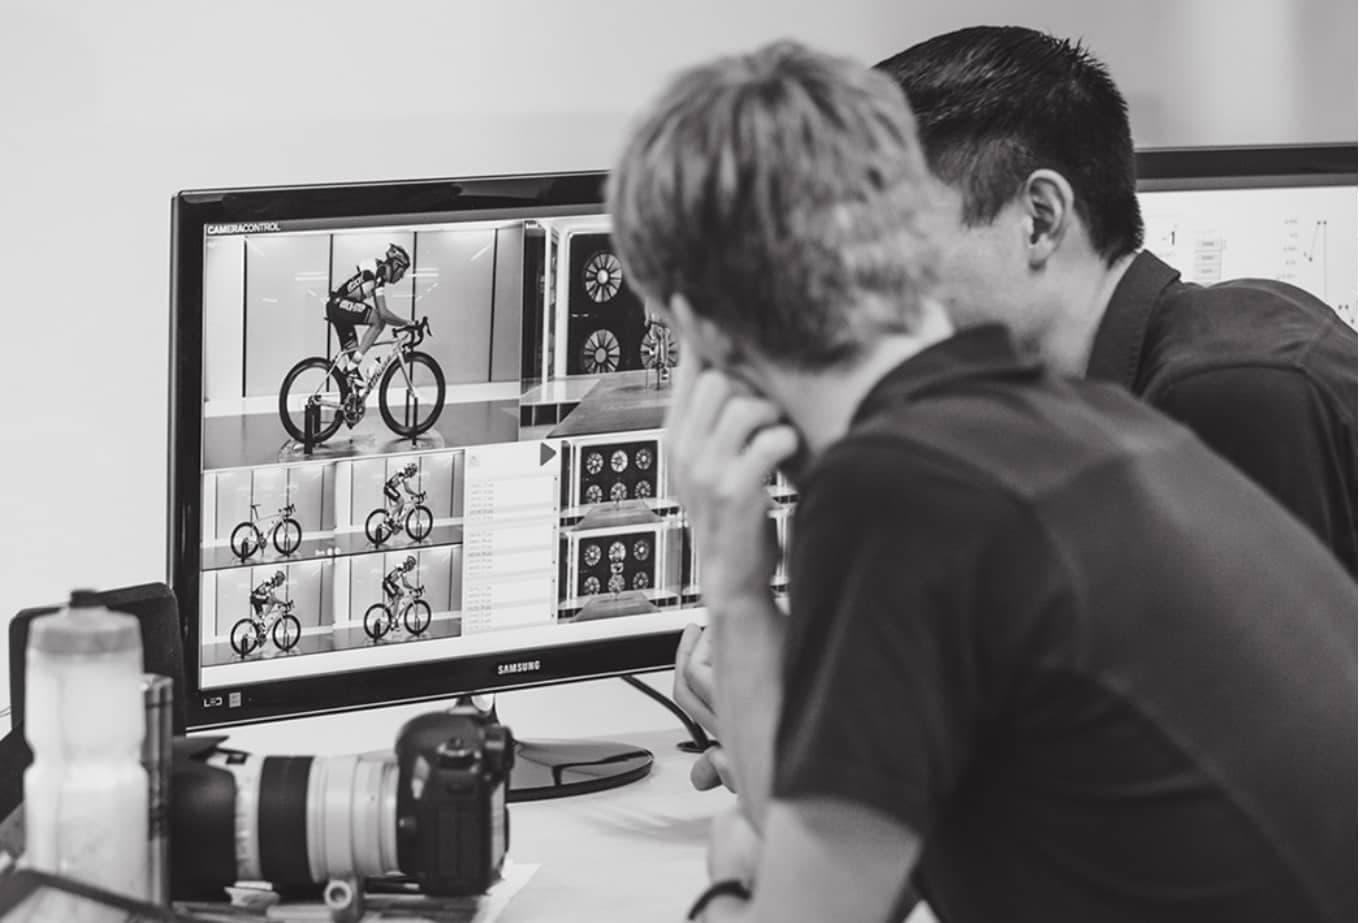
(546,453)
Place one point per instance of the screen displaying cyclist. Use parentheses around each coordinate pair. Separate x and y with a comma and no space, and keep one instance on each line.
(360,300)
(395,580)
(397,489)
(263,598)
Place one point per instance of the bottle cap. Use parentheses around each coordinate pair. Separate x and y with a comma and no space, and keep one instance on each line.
(85,599)
(83,629)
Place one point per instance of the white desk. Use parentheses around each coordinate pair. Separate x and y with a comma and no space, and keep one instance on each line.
(628,854)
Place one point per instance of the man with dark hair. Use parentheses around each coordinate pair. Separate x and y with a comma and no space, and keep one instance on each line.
(1031,139)
(1046,654)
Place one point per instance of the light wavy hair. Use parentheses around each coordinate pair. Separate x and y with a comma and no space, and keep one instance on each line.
(785,195)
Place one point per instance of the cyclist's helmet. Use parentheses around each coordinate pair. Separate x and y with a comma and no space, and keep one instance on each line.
(409,563)
(278,578)
(398,262)
(409,470)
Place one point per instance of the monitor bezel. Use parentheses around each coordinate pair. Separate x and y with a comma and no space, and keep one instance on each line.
(1244,167)
(191,212)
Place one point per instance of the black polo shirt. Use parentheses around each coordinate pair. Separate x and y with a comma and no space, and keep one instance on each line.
(1101,674)
(1265,374)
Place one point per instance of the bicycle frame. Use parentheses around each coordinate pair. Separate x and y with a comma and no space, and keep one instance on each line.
(407,506)
(266,525)
(407,594)
(401,345)
(272,615)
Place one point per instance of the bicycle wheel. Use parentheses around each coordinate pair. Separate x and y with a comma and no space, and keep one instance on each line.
(419,522)
(417,617)
(246,540)
(376,621)
(378,527)
(243,637)
(304,380)
(286,632)
(287,536)
(419,376)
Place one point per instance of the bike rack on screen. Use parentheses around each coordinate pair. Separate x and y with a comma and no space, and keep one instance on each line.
(311,422)
(413,403)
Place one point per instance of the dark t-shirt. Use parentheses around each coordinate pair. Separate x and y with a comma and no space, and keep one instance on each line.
(1101,674)
(1262,371)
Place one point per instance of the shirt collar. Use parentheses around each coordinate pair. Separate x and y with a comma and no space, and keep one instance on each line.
(986,351)
(1119,343)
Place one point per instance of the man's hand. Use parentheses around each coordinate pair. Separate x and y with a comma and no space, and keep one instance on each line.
(712,769)
(734,847)
(694,685)
(722,444)
(694,693)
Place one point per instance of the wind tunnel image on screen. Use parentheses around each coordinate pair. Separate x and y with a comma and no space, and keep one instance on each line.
(428,441)
(312,317)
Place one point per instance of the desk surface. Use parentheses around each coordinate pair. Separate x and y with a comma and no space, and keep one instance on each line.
(631,853)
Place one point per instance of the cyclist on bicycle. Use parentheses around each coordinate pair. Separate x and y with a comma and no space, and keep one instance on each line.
(263,598)
(396,487)
(360,300)
(395,580)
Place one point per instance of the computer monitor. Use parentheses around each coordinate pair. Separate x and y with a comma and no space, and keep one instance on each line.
(512,450)
(480,504)
(1286,213)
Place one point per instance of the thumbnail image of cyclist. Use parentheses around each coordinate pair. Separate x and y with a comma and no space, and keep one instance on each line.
(270,617)
(284,531)
(410,390)
(404,510)
(401,596)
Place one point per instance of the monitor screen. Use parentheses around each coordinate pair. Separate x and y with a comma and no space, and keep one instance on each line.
(1287,214)
(426,452)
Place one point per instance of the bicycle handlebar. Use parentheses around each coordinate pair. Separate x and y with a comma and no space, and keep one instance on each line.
(415,333)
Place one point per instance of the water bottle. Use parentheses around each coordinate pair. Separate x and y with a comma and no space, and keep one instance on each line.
(85,796)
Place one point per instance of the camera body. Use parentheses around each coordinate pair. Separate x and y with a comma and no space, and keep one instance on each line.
(433,812)
(453,826)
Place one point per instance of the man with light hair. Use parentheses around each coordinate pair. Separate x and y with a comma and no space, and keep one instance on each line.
(1033,663)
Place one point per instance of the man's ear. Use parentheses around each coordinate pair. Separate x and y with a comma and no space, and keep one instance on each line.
(1048,200)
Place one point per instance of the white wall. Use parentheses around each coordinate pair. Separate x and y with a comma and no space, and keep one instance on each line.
(106,109)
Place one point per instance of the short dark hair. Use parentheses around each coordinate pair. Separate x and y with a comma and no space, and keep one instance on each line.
(995,103)
(782,193)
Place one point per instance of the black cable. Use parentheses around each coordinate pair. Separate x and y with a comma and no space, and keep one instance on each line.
(699,741)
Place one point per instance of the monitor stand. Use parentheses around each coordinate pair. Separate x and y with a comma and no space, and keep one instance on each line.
(557,768)
(546,769)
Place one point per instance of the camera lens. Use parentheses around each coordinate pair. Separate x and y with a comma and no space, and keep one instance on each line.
(303,819)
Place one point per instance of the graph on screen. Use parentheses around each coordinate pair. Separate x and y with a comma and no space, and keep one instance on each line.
(1306,236)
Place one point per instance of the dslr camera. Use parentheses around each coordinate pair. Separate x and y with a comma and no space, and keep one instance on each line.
(433,812)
